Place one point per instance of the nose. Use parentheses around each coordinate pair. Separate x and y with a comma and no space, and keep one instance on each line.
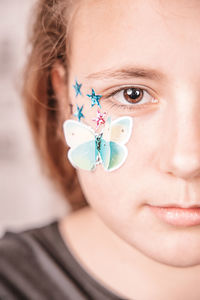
(180,155)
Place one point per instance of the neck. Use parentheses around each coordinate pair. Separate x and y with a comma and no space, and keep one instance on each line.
(122,268)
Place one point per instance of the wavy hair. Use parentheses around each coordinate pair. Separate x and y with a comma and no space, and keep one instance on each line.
(48,42)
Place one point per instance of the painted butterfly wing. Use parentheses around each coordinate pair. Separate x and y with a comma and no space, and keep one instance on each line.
(84,156)
(115,135)
(118,154)
(107,130)
(120,130)
(77,133)
(81,139)
(105,153)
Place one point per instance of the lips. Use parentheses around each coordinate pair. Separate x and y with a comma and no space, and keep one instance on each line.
(178,216)
(178,205)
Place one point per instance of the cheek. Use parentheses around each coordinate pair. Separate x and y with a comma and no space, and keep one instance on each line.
(104,190)
(122,190)
(115,198)
(114,195)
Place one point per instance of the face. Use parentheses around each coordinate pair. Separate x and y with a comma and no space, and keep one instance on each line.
(110,39)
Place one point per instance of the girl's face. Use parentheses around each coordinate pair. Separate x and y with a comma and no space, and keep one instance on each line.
(153,46)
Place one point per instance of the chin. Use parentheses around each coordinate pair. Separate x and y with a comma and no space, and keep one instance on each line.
(177,261)
(179,253)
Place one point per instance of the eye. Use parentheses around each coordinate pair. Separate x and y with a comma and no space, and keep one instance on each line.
(132,95)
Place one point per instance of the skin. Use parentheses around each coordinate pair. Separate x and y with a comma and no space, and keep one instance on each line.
(120,237)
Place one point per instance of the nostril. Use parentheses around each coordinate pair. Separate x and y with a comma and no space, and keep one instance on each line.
(187,167)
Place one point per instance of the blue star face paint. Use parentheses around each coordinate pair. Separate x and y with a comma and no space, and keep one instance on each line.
(94,98)
(79,113)
(77,88)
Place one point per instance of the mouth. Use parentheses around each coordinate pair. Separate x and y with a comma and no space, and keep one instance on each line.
(177,215)
(196,205)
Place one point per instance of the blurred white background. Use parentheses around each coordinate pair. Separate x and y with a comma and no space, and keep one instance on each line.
(27,199)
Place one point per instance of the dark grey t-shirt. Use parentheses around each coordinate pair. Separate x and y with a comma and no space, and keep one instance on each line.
(36,264)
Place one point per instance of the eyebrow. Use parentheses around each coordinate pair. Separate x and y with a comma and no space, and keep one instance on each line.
(129,72)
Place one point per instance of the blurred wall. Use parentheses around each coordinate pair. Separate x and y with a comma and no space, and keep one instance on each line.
(26,198)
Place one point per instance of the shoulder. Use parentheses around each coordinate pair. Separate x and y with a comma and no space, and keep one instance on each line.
(14,248)
(19,244)
(12,243)
(19,264)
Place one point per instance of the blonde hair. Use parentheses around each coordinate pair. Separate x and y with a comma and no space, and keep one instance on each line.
(49,42)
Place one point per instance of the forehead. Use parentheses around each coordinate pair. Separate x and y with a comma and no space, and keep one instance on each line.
(107,33)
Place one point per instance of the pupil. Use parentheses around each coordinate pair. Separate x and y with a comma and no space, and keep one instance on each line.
(132,95)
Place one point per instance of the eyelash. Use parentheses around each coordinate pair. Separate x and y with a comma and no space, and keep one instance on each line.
(129,106)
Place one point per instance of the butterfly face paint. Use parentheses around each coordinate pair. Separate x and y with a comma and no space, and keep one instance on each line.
(107,148)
